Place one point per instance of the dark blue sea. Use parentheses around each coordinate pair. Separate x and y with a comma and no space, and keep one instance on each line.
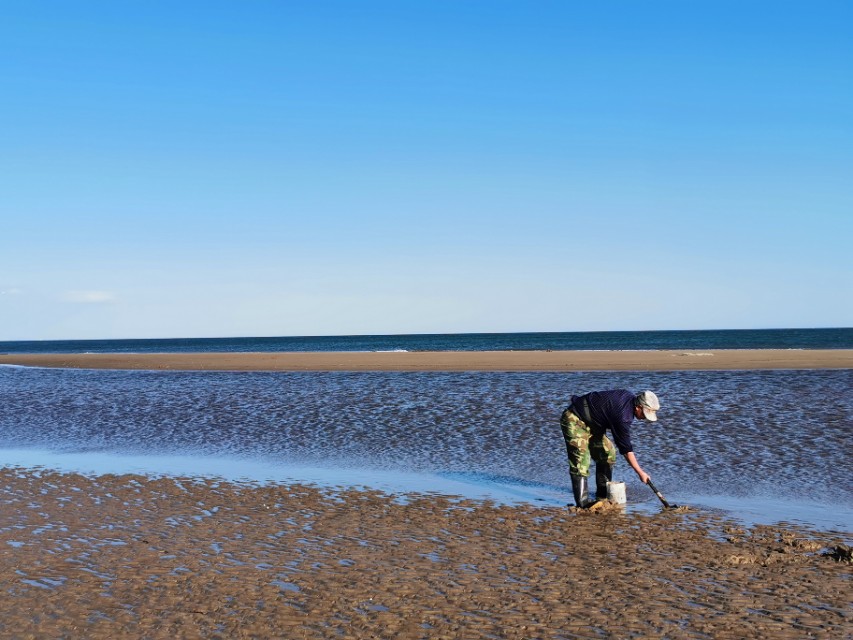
(757,446)
(841,338)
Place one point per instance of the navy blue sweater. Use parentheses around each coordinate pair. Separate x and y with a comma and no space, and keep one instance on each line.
(613,410)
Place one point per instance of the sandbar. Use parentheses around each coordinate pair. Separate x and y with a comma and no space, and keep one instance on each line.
(655,360)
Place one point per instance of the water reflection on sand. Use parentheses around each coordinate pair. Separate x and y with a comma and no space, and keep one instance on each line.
(767,444)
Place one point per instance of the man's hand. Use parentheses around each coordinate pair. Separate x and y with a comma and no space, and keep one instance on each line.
(632,460)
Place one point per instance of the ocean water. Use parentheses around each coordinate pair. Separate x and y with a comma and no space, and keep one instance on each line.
(761,446)
(841,338)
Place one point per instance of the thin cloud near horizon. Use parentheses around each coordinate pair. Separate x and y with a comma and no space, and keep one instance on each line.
(88,297)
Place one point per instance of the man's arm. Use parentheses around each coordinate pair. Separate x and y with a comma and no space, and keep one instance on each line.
(632,460)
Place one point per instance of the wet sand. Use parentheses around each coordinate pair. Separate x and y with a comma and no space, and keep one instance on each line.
(130,556)
(452,360)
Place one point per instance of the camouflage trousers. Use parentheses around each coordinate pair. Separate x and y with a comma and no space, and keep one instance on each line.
(583,444)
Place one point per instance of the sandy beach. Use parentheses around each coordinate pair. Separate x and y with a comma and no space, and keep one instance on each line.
(130,556)
(683,360)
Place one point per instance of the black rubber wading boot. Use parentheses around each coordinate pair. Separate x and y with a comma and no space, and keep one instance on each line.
(579,488)
(603,475)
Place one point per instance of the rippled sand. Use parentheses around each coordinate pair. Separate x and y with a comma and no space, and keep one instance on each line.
(484,429)
(119,556)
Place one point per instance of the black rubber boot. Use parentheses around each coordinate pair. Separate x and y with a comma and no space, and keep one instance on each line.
(603,475)
(579,488)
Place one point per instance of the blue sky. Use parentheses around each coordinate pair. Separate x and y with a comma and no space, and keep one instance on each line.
(190,169)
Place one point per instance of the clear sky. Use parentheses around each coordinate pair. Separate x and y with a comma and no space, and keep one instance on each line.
(270,168)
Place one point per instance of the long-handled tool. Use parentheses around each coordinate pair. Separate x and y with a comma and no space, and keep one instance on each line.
(666,505)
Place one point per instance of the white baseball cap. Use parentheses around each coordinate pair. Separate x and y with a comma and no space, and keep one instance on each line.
(650,405)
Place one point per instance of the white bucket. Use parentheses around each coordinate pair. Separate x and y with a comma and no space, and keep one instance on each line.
(616,492)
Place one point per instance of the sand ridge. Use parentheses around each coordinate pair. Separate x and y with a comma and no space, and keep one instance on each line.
(672,360)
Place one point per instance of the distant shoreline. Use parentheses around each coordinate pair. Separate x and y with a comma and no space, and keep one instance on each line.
(628,360)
